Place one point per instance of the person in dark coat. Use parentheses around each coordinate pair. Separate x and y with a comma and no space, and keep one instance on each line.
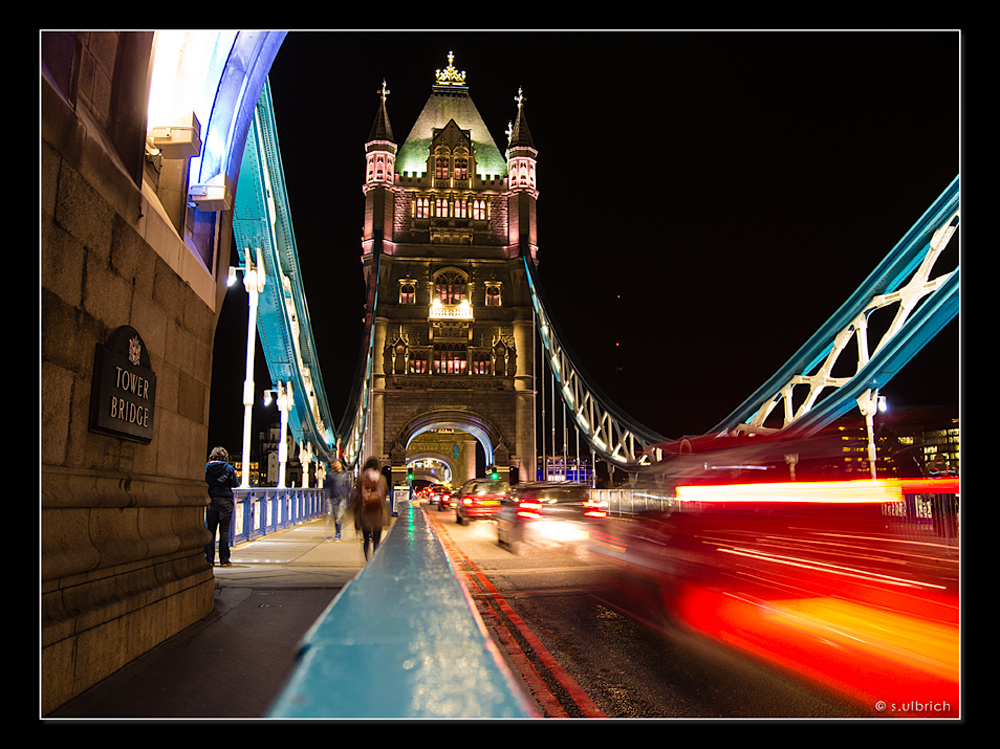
(339,483)
(371,511)
(221,479)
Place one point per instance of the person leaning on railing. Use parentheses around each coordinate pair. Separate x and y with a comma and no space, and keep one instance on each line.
(221,479)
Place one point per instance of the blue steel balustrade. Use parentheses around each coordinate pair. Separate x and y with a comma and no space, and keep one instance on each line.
(403,639)
(259,511)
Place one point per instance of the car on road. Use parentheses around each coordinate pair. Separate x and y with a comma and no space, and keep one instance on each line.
(442,497)
(548,512)
(479,498)
(834,581)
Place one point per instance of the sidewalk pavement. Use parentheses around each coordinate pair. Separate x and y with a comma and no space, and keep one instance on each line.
(235,662)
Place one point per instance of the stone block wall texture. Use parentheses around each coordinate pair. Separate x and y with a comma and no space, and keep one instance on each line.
(122,523)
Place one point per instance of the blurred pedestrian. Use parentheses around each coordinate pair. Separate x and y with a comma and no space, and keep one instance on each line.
(371,512)
(339,483)
(221,479)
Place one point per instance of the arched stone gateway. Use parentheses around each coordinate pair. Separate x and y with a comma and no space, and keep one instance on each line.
(451,437)
(486,433)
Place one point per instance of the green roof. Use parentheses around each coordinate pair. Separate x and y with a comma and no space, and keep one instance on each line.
(444,105)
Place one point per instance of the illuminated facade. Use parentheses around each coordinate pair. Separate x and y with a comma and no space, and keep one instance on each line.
(448,218)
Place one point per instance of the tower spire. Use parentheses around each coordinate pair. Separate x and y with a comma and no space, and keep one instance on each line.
(380,159)
(519,135)
(381,129)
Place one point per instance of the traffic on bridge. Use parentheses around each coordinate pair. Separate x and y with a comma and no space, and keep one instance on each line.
(533,547)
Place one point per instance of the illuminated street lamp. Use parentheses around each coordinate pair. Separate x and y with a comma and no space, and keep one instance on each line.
(254,280)
(870,403)
(283,394)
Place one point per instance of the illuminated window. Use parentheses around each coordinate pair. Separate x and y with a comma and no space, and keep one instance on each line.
(461,209)
(481,363)
(441,207)
(450,358)
(418,362)
(461,169)
(492,294)
(422,208)
(479,210)
(407,292)
(450,287)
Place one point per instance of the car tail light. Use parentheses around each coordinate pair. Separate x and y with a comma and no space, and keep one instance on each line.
(529,509)
(594,509)
(467,500)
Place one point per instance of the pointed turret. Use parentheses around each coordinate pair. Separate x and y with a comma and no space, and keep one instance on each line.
(381,129)
(381,146)
(380,156)
(519,135)
(521,170)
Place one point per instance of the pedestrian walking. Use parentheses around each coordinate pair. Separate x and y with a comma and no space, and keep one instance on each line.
(221,479)
(339,483)
(371,512)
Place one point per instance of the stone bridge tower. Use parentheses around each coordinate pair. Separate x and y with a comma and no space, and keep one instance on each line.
(447,222)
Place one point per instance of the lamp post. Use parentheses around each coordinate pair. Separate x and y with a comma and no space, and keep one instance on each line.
(254,280)
(870,403)
(305,458)
(284,398)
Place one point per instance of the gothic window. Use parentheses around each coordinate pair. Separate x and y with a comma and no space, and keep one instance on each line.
(378,165)
(441,208)
(461,169)
(492,294)
(481,363)
(422,208)
(461,209)
(407,292)
(442,157)
(418,362)
(479,210)
(450,358)
(450,287)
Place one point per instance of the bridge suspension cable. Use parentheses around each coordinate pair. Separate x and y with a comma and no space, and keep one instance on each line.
(904,285)
(923,304)
(262,225)
(610,433)
(354,424)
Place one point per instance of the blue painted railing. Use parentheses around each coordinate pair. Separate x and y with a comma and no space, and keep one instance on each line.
(259,511)
(403,639)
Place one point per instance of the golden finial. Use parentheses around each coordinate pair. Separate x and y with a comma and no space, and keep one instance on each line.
(449,76)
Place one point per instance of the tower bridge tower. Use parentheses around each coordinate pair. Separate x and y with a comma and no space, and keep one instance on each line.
(447,220)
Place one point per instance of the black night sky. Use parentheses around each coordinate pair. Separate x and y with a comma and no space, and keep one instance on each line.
(732,187)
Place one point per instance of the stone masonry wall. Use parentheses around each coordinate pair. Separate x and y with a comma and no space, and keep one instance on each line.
(122,523)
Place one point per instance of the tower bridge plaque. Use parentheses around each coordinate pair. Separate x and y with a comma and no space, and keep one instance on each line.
(123,397)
